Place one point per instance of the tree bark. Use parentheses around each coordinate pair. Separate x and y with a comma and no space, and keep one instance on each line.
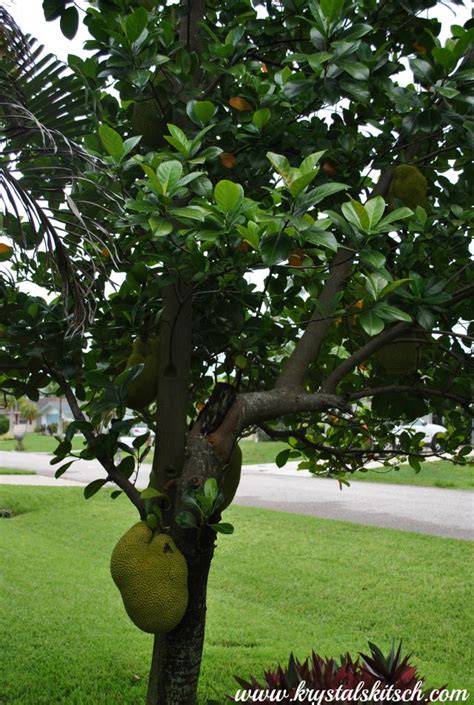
(176,662)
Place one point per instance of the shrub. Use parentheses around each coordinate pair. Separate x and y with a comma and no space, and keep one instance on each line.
(7,437)
(40,428)
(4,424)
(320,673)
(52,428)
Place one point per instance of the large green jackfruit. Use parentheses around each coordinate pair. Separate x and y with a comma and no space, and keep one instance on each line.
(398,358)
(148,120)
(152,576)
(144,388)
(231,477)
(409,186)
(401,357)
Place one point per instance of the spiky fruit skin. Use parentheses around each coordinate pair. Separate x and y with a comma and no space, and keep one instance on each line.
(398,358)
(231,478)
(143,390)
(409,186)
(152,576)
(148,122)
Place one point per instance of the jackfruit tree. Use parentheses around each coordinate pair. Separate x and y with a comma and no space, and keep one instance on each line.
(313,282)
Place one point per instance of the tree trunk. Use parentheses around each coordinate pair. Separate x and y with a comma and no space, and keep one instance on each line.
(177,656)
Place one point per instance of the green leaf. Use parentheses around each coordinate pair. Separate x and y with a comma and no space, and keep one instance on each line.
(375,284)
(425,318)
(228,195)
(356,214)
(112,141)
(60,471)
(323,238)
(139,441)
(127,466)
(169,173)
(191,212)
(332,8)
(282,457)
(375,209)
(275,248)
(201,111)
(397,214)
(211,489)
(319,193)
(281,165)
(374,259)
(222,528)
(301,182)
(310,162)
(93,487)
(151,493)
(317,60)
(392,313)
(69,22)
(178,139)
(186,520)
(135,24)
(160,227)
(261,117)
(355,69)
(240,361)
(371,323)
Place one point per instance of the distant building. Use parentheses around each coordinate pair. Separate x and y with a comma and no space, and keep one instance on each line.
(49,409)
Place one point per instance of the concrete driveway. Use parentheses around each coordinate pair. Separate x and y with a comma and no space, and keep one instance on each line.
(427,510)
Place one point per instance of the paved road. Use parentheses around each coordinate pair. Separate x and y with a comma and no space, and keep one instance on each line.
(428,510)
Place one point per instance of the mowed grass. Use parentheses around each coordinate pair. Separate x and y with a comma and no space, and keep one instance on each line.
(37,443)
(11,471)
(433,474)
(281,583)
(440,473)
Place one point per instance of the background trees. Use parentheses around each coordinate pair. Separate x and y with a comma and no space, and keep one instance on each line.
(216,175)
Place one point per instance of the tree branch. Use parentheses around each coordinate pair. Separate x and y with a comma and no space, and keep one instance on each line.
(374,344)
(309,345)
(107,463)
(411,389)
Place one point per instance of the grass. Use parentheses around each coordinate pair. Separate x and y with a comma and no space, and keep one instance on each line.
(281,583)
(441,473)
(37,443)
(11,471)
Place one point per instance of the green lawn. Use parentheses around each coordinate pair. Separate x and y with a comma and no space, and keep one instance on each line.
(441,473)
(282,582)
(11,471)
(37,443)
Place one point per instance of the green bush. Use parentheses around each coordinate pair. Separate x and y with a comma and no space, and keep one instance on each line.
(4,424)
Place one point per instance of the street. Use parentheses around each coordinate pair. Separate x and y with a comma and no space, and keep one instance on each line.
(427,510)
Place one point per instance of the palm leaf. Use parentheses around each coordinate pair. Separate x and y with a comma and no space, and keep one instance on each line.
(49,184)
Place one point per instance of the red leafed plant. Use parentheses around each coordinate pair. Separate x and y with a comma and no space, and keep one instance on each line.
(320,674)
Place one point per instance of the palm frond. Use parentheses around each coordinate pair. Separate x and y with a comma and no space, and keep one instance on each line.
(48,182)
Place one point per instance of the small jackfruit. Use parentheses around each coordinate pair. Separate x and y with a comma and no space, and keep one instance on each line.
(398,358)
(401,357)
(143,390)
(409,186)
(231,477)
(152,576)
